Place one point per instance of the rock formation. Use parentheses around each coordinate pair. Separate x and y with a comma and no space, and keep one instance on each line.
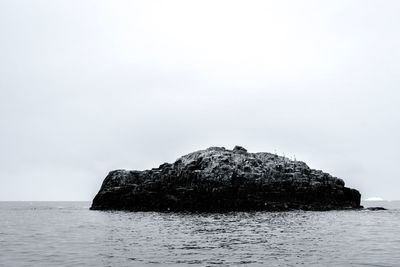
(375,208)
(218,180)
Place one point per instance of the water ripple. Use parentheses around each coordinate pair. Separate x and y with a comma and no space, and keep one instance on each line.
(68,234)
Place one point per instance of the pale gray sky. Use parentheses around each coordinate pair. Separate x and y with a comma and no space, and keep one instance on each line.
(91,86)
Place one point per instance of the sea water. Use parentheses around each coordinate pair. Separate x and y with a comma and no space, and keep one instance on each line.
(69,234)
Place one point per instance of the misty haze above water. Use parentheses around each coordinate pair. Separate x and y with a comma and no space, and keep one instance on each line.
(87,87)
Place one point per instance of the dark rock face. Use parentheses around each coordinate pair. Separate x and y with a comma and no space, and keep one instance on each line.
(219,180)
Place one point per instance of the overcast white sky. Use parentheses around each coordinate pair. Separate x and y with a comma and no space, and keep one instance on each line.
(91,86)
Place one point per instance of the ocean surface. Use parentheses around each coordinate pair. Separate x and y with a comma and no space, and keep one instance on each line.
(69,234)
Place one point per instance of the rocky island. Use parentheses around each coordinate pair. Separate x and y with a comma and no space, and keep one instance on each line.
(220,180)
